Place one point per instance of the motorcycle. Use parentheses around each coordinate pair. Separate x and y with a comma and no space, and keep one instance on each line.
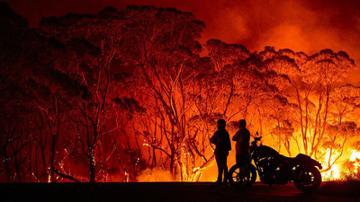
(274,168)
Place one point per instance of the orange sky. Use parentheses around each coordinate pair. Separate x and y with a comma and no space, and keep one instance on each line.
(307,25)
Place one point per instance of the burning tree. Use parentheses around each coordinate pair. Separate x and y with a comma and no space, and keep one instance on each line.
(165,50)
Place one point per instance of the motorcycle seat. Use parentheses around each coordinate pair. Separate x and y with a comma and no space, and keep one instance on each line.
(287,158)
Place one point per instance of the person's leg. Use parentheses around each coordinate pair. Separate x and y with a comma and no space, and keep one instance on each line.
(226,171)
(219,165)
(238,159)
(245,165)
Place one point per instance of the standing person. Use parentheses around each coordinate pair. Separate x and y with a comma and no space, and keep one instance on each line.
(242,138)
(221,139)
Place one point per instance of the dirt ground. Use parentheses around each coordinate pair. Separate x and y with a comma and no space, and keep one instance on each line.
(172,192)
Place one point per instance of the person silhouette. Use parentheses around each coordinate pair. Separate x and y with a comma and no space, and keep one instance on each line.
(221,139)
(242,138)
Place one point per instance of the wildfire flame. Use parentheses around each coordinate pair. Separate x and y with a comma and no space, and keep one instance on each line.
(334,172)
(339,171)
(355,155)
(355,160)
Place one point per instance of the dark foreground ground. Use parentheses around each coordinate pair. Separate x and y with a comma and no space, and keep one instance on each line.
(172,192)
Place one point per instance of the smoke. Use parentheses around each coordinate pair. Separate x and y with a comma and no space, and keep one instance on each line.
(307,25)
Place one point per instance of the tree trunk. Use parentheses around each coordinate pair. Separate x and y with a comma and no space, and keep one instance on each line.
(91,159)
(52,157)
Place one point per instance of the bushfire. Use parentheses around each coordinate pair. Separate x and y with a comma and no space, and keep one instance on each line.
(133,95)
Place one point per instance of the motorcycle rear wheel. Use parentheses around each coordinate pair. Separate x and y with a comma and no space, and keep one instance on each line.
(309,179)
(240,177)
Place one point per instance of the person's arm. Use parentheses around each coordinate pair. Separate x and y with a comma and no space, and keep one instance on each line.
(248,137)
(235,137)
(228,143)
(214,138)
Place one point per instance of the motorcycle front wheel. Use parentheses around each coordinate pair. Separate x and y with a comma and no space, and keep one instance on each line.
(309,179)
(241,176)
